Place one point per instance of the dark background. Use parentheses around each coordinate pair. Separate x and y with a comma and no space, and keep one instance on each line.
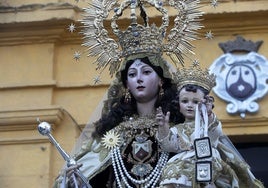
(256,155)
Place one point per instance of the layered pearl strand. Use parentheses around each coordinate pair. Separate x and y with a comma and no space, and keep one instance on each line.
(122,173)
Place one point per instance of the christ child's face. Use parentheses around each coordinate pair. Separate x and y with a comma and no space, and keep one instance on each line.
(188,101)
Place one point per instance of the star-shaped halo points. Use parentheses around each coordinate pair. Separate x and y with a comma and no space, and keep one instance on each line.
(97,80)
(77,55)
(214,3)
(195,63)
(71,27)
(209,35)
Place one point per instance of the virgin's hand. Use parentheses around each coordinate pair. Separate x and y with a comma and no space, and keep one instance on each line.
(163,123)
(161,118)
(74,180)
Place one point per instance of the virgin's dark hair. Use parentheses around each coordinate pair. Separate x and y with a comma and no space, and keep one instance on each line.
(120,109)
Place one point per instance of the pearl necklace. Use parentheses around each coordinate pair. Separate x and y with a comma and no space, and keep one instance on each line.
(122,173)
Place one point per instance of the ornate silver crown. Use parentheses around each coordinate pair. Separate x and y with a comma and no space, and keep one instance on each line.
(196,76)
(110,48)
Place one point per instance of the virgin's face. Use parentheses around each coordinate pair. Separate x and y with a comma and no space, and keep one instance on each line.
(142,81)
(188,101)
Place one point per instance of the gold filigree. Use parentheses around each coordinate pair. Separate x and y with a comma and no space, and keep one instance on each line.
(136,125)
(185,130)
(139,122)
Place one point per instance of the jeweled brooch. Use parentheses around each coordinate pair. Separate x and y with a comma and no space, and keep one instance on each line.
(110,140)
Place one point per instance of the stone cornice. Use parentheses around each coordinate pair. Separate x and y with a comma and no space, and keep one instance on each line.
(19,25)
(235,6)
(52,84)
(244,127)
(17,14)
(20,126)
(236,23)
(38,23)
(247,122)
(27,85)
(26,119)
(53,31)
(34,139)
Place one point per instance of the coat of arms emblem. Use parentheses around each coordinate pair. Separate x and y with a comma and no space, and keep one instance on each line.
(242,76)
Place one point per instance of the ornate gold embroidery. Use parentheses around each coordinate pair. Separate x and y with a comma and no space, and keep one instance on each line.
(185,131)
(138,125)
(137,129)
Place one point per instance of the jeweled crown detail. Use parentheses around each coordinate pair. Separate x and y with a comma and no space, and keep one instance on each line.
(195,75)
(140,37)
